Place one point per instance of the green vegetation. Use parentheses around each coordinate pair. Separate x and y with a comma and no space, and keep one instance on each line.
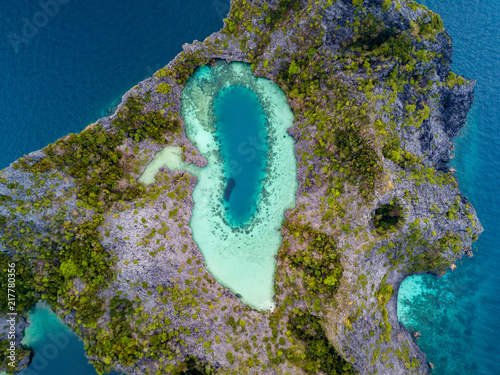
(185,66)
(389,217)
(384,294)
(319,355)
(404,355)
(164,88)
(50,267)
(139,123)
(25,295)
(21,353)
(452,80)
(193,366)
(403,158)
(320,261)
(434,257)
(359,156)
(273,17)
(386,5)
(342,137)
(100,170)
(375,40)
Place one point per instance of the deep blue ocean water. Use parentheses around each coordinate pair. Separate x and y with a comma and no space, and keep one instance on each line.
(66,63)
(241,130)
(74,67)
(459,314)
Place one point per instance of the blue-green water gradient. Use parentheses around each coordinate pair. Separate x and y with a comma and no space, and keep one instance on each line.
(57,349)
(459,314)
(241,130)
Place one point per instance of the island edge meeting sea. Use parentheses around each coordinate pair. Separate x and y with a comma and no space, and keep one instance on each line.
(443,324)
(459,315)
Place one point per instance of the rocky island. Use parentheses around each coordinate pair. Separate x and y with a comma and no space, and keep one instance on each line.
(375,108)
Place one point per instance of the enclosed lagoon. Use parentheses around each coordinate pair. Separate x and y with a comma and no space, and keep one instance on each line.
(239,124)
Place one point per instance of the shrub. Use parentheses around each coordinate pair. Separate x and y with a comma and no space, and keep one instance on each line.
(273,17)
(164,88)
(25,293)
(139,124)
(389,216)
(320,262)
(92,159)
(361,158)
(452,80)
(320,354)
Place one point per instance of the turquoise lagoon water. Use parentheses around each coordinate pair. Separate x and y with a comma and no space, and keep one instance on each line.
(77,66)
(170,157)
(242,135)
(239,123)
(459,314)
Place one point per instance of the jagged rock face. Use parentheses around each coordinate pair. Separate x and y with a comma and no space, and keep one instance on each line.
(412,104)
(456,104)
(449,113)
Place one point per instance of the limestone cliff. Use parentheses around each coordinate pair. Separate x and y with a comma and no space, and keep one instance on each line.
(376,107)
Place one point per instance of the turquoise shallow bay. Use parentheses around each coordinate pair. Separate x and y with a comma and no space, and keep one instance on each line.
(57,350)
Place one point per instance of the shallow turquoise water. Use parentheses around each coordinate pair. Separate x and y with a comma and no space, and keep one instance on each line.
(57,349)
(170,157)
(77,67)
(459,314)
(239,124)
(241,131)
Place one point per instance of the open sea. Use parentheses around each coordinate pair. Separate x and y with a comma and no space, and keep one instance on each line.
(64,66)
(66,63)
(459,314)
